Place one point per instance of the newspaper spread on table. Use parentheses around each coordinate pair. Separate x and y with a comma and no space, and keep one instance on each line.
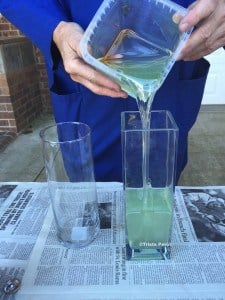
(29,249)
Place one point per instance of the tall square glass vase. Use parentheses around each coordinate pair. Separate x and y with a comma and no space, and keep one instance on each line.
(149,163)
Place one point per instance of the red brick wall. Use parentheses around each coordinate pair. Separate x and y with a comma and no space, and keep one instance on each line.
(9,30)
(43,80)
(20,96)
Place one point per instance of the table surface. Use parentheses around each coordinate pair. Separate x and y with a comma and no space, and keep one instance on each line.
(28,244)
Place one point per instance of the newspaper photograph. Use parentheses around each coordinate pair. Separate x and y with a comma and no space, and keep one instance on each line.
(196,269)
(206,208)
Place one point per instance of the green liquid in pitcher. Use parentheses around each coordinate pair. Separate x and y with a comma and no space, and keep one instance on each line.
(140,64)
(140,76)
(148,222)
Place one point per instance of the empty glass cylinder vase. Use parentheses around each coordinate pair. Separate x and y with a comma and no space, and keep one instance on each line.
(69,167)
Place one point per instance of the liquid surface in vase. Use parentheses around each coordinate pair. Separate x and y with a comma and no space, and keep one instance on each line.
(148,217)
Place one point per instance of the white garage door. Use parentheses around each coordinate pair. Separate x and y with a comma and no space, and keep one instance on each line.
(215,85)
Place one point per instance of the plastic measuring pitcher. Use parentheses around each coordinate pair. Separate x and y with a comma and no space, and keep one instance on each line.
(135,42)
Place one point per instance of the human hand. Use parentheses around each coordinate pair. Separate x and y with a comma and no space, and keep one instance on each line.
(67,36)
(209,18)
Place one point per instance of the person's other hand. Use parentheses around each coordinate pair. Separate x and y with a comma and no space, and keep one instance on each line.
(209,18)
(67,36)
